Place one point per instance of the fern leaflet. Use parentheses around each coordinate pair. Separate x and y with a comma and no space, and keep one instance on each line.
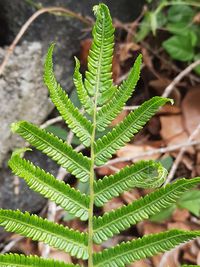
(106,146)
(143,174)
(13,260)
(111,109)
(46,184)
(55,148)
(147,246)
(98,78)
(39,229)
(122,218)
(75,120)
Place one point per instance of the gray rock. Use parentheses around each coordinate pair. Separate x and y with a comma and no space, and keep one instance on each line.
(65,31)
(22,93)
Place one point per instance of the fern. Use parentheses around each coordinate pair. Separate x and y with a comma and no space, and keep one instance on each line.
(98,78)
(147,246)
(103,101)
(13,260)
(47,185)
(122,218)
(55,148)
(122,133)
(144,174)
(50,233)
(75,120)
(110,111)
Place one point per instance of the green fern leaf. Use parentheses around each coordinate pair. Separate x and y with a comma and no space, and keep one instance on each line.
(110,110)
(13,260)
(106,146)
(46,184)
(118,220)
(84,98)
(143,174)
(75,120)
(55,148)
(190,265)
(39,229)
(98,78)
(147,246)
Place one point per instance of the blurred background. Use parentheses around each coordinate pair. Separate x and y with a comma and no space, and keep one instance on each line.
(167,33)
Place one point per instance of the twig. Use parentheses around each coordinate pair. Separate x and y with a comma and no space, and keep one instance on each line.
(50,122)
(153,152)
(168,254)
(179,77)
(180,155)
(11,244)
(30,21)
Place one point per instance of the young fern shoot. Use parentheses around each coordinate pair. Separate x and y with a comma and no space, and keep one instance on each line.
(102,101)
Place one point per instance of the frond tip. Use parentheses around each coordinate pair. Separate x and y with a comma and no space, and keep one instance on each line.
(141,248)
(98,77)
(13,260)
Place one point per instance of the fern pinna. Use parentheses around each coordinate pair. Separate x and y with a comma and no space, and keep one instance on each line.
(102,101)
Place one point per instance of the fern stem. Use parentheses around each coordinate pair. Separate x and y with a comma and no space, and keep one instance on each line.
(91,206)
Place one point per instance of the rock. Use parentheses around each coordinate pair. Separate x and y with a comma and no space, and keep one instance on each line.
(23,95)
(65,31)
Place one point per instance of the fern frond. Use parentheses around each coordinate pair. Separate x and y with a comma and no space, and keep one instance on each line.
(118,220)
(147,246)
(55,148)
(75,120)
(98,78)
(143,174)
(111,109)
(13,260)
(84,98)
(46,184)
(190,265)
(106,146)
(39,229)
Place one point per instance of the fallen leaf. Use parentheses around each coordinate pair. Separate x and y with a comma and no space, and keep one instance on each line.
(131,196)
(133,151)
(180,215)
(125,50)
(196,18)
(113,204)
(191,111)
(141,263)
(178,225)
(105,170)
(153,228)
(180,139)
(119,118)
(60,255)
(198,258)
(169,109)
(171,126)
